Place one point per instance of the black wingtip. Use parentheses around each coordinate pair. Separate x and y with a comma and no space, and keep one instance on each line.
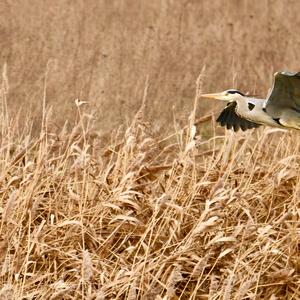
(229,118)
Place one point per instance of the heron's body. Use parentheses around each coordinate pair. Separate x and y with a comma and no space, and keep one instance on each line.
(280,109)
(254,112)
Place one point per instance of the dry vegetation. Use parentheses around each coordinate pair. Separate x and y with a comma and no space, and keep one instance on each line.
(166,206)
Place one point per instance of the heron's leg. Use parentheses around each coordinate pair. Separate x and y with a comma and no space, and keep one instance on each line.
(290,118)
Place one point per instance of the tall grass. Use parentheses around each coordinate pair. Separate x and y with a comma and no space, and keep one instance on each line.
(148,217)
(167,206)
(101,51)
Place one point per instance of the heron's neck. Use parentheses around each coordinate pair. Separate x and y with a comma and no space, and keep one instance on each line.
(243,100)
(252,110)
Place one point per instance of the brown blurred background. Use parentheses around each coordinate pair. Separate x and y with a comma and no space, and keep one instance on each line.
(102,51)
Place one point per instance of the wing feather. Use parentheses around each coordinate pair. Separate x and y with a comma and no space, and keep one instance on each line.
(285,94)
(232,120)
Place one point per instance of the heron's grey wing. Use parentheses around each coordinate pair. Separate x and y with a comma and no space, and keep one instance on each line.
(232,120)
(285,94)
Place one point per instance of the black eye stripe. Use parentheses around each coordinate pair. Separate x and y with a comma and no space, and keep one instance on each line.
(235,92)
(251,106)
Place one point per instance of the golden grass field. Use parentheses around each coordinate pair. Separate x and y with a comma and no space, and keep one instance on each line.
(138,194)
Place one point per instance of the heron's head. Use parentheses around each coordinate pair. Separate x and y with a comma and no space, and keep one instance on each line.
(228,95)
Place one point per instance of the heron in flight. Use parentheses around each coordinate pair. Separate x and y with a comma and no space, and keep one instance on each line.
(280,109)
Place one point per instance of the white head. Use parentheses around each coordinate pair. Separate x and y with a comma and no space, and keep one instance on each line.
(228,95)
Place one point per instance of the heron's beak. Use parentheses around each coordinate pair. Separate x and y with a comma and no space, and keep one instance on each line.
(218,96)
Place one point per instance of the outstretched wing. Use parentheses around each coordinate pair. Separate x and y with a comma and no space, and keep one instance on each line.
(285,94)
(232,120)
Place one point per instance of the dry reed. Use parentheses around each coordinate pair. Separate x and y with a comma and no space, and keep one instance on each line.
(141,220)
(170,208)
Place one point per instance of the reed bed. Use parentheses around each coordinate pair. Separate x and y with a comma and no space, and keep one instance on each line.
(147,216)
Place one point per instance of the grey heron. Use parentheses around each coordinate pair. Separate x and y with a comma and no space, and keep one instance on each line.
(281,108)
